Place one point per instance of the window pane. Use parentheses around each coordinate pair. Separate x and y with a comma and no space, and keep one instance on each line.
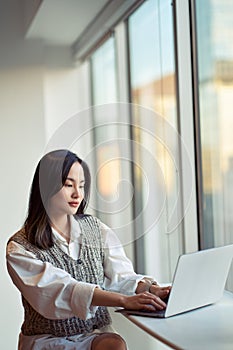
(153,77)
(104,90)
(215,65)
(112,179)
(104,74)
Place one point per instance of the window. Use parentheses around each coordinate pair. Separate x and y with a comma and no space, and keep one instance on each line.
(152,76)
(148,152)
(104,90)
(215,65)
(104,73)
(112,146)
(215,60)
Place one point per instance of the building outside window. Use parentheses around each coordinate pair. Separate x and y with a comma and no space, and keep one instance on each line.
(215,66)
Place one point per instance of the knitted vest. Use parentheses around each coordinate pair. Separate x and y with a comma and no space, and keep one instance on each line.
(88,268)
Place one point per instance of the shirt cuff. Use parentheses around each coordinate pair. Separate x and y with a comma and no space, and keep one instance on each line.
(129,286)
(81,299)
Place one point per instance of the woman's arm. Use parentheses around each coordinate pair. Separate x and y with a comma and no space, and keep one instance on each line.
(145,301)
(50,290)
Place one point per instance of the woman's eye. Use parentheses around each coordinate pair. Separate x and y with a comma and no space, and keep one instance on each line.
(68,185)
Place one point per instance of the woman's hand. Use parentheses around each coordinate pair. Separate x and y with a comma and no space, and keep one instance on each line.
(141,301)
(146,286)
(145,301)
(161,292)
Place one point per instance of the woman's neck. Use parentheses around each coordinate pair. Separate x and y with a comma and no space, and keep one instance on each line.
(62,225)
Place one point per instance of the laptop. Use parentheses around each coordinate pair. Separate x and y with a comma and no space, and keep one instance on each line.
(199,280)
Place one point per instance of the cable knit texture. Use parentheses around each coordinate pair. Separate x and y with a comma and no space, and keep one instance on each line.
(88,268)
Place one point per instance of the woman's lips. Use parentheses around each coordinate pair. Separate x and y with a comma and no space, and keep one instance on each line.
(73,204)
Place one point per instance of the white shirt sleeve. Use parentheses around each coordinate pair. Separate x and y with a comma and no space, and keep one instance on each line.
(118,269)
(50,290)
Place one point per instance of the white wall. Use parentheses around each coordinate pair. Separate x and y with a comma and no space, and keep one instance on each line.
(66,90)
(22,137)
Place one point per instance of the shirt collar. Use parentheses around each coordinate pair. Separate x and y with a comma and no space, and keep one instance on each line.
(75,232)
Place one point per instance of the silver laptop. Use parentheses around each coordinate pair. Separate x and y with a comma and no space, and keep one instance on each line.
(199,280)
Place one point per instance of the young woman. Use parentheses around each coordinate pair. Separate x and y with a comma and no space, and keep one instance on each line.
(69,266)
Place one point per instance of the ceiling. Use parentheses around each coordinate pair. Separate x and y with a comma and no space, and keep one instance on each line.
(61,22)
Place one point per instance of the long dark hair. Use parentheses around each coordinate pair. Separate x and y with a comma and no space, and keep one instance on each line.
(50,176)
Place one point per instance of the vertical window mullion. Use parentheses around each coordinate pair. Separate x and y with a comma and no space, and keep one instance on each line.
(185,102)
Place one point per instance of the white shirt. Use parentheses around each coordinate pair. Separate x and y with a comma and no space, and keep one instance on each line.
(53,292)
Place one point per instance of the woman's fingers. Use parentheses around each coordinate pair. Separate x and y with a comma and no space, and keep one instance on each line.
(154,300)
(161,292)
(146,301)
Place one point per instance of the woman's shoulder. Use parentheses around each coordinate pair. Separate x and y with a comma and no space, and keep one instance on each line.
(16,243)
(18,236)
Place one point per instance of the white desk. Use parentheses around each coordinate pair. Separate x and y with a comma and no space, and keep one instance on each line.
(208,328)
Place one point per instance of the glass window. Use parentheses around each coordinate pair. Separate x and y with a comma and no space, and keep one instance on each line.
(215,64)
(152,76)
(104,90)
(112,180)
(104,73)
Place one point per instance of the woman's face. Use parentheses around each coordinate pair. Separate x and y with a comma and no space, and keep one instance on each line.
(70,196)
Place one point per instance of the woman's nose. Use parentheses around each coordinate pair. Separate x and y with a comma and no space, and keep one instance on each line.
(76,192)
